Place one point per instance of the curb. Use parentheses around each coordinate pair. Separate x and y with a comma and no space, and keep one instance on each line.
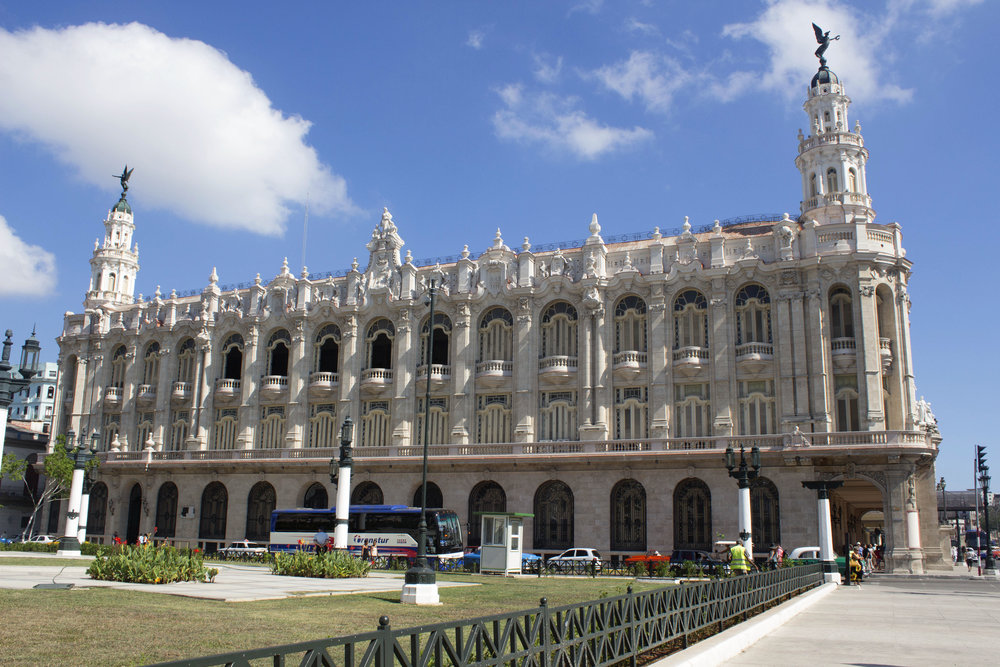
(718,649)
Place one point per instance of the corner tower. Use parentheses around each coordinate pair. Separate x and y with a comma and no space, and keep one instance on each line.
(831,159)
(114,267)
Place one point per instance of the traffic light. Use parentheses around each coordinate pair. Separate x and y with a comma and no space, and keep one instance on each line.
(981,458)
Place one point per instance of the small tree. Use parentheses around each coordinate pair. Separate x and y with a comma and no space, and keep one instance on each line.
(58,471)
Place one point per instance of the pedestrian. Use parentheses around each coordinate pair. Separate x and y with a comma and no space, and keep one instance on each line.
(738,561)
(319,540)
(366,551)
(142,539)
(775,556)
(971,557)
(374,552)
(857,572)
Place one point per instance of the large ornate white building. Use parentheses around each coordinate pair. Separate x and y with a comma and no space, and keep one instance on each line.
(594,384)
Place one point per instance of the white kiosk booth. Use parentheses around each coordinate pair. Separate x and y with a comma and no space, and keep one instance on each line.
(500,552)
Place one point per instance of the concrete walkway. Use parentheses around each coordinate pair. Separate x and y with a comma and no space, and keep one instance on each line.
(235,582)
(947,618)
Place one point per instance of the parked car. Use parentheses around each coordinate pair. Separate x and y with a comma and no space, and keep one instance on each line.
(702,560)
(44,539)
(244,548)
(651,559)
(810,554)
(575,559)
(470,561)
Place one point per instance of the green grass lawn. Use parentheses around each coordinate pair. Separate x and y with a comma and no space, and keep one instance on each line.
(114,627)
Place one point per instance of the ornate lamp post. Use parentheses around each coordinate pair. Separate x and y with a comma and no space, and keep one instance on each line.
(420,585)
(944,501)
(88,482)
(69,545)
(984,481)
(10,384)
(744,474)
(340,476)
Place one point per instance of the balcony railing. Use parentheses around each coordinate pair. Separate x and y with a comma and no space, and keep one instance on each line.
(558,368)
(227,389)
(374,380)
(322,383)
(801,443)
(181,391)
(439,373)
(146,394)
(843,346)
(113,396)
(494,372)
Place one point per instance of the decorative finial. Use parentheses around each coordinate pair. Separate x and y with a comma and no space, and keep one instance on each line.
(465,251)
(717,227)
(156,294)
(498,240)
(214,278)
(526,246)
(173,294)
(284,267)
(823,39)
(687,225)
(785,218)
(354,264)
(96,245)
(256,280)
(408,259)
(305,272)
(595,227)
(857,127)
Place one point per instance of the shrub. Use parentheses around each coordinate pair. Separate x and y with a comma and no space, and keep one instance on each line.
(662,569)
(149,565)
(329,565)
(37,547)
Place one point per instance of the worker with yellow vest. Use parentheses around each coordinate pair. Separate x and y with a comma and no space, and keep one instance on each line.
(739,563)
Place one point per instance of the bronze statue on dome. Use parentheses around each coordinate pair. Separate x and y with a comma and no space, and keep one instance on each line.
(123,177)
(823,39)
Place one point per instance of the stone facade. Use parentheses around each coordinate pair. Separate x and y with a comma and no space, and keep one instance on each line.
(595,384)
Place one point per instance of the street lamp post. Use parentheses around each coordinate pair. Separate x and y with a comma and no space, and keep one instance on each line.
(941,485)
(744,474)
(69,545)
(984,481)
(10,384)
(88,482)
(340,476)
(420,585)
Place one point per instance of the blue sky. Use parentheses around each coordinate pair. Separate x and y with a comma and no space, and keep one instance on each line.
(462,118)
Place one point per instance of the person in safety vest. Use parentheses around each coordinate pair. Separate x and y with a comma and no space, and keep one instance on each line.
(739,563)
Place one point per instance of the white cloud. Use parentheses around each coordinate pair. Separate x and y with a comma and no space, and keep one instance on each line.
(633,24)
(652,78)
(204,139)
(587,6)
(556,123)
(785,28)
(475,39)
(547,68)
(28,270)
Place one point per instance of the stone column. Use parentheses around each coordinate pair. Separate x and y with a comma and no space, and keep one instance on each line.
(351,360)
(463,367)
(659,349)
(525,372)
(161,418)
(128,404)
(249,408)
(722,355)
(202,403)
(406,357)
(818,333)
(298,391)
(869,362)
(826,553)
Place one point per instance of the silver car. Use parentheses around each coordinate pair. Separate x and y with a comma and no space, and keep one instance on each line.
(575,559)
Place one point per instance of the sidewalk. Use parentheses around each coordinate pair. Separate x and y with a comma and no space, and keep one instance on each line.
(235,582)
(946,618)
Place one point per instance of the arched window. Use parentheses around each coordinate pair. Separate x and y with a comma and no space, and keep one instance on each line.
(379,339)
(852,180)
(50,392)
(765,516)
(323,428)
(832,184)
(841,314)
(493,418)
(232,354)
(630,412)
(486,496)
(554,513)
(692,411)
(757,407)
(118,361)
(753,315)
(186,361)
(692,515)
(277,353)
(367,493)
(812,185)
(690,320)
(628,516)
(437,421)
(111,282)
(134,514)
(151,368)
(214,506)
(98,511)
(846,397)
(225,427)
(630,325)
(166,510)
(434,496)
(442,338)
(557,416)
(375,423)
(496,335)
(178,431)
(559,324)
(327,355)
(260,504)
(316,497)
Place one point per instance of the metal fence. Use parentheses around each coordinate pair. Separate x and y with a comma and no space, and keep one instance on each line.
(590,634)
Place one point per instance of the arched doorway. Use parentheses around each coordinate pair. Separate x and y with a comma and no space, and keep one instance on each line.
(98,512)
(628,516)
(134,514)
(692,515)
(554,514)
(166,510)
(765,514)
(367,493)
(214,505)
(434,496)
(857,514)
(316,497)
(260,504)
(485,497)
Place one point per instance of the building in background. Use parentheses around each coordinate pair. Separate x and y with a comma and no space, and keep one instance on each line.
(594,384)
(35,403)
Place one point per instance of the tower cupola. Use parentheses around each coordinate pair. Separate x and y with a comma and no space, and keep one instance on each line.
(115,262)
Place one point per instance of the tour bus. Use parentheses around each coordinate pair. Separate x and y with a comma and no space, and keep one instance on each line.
(394,528)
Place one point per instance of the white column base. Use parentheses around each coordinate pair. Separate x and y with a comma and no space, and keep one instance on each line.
(420,594)
(833,578)
(66,552)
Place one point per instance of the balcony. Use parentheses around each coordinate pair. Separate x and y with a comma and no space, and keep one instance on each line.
(146,394)
(322,384)
(690,360)
(180,392)
(844,352)
(628,365)
(375,380)
(440,374)
(494,373)
(226,390)
(754,357)
(558,369)
(885,351)
(113,397)
(273,387)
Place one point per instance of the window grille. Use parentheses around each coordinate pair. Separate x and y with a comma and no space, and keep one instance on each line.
(757,407)
(323,430)
(557,416)
(272,427)
(375,424)
(690,320)
(179,431)
(630,325)
(559,330)
(151,370)
(631,413)
(496,335)
(493,418)
(224,433)
(753,315)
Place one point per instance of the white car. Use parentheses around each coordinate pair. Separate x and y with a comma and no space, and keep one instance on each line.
(575,559)
(802,553)
(243,549)
(44,539)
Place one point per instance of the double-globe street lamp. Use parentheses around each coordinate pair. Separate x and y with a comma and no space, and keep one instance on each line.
(744,474)
(984,482)
(10,384)
(340,477)
(420,585)
(69,545)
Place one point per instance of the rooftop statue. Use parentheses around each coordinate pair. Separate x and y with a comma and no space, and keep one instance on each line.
(123,177)
(823,39)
